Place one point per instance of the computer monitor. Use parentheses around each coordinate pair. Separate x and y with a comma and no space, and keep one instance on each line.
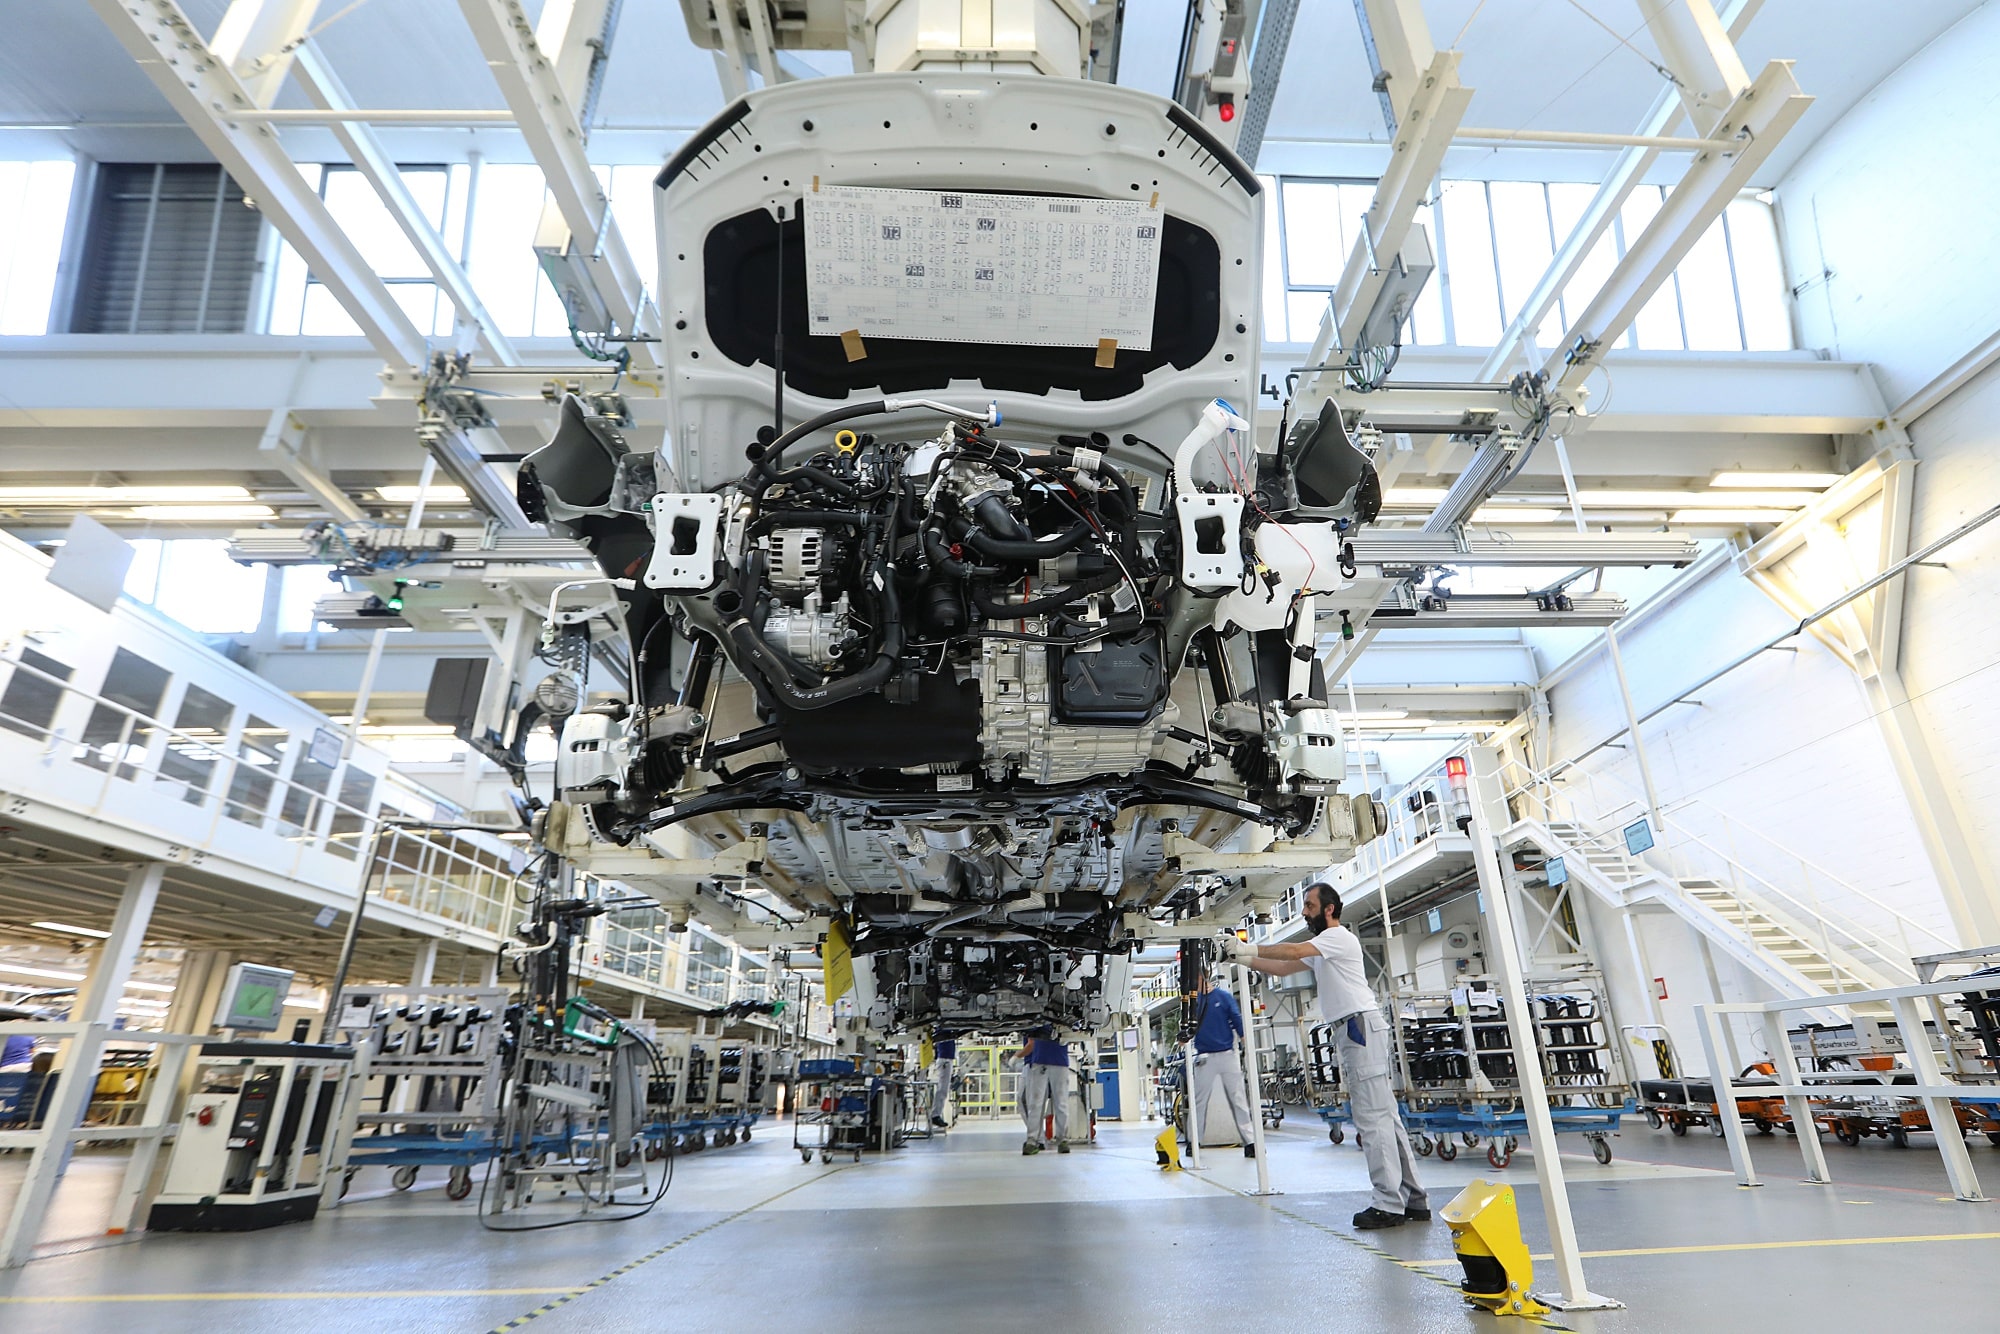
(253,998)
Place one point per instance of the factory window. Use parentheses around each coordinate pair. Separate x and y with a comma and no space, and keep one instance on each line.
(169,248)
(121,727)
(29,703)
(34,205)
(350,816)
(259,752)
(302,304)
(1493,240)
(193,581)
(200,727)
(298,815)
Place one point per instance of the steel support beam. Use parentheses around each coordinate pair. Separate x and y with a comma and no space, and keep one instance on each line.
(324,87)
(285,441)
(1626,173)
(202,90)
(1267,65)
(1696,46)
(548,116)
(258,39)
(1760,118)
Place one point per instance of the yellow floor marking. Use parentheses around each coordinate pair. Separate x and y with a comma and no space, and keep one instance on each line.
(412,1294)
(1750,1246)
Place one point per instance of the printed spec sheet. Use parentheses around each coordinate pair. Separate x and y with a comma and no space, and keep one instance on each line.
(965,267)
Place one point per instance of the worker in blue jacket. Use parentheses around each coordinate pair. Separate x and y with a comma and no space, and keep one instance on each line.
(1044,1080)
(1218,1027)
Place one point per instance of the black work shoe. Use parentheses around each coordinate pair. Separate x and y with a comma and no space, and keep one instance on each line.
(1372,1218)
(938,1121)
(1027,1149)
(1062,1147)
(1249,1150)
(1416,1215)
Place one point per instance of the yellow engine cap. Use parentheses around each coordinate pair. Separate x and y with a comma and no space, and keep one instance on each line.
(846,441)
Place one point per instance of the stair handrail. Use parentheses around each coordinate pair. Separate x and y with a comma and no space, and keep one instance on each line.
(1854,939)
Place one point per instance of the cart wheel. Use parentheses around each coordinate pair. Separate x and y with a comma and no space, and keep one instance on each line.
(1791,1129)
(623,1157)
(1468,1139)
(1446,1149)
(1679,1127)
(1512,1144)
(745,1136)
(403,1178)
(1600,1148)
(1715,1127)
(1848,1137)
(1499,1155)
(346,1180)
(1993,1138)
(460,1184)
(1336,1134)
(1899,1136)
(825,1157)
(1423,1145)
(857,1155)
(1764,1127)
(806,1156)
(1653,1118)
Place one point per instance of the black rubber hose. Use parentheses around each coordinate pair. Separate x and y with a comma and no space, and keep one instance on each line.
(945,563)
(982,596)
(999,548)
(774,453)
(819,477)
(765,661)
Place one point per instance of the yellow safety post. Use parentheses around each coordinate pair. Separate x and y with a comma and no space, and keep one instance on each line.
(1167,1147)
(1486,1234)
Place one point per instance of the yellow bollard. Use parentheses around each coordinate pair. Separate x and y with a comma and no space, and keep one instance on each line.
(1486,1234)
(1167,1147)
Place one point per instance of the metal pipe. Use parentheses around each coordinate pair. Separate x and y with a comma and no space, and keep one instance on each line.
(1812,618)
(1594,140)
(378,116)
(1255,1080)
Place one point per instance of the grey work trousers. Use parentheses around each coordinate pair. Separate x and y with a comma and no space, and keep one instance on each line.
(1365,1072)
(1221,1072)
(1042,1085)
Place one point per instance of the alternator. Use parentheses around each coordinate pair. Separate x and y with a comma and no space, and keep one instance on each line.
(798,559)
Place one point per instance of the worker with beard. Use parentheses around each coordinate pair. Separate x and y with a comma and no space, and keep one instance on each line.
(1362,1039)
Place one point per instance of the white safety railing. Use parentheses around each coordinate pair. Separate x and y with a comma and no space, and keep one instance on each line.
(56,1119)
(1591,812)
(1938,1088)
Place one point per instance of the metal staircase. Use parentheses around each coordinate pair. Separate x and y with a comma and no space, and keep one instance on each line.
(1787,938)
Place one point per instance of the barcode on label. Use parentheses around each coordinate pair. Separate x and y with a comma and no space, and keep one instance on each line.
(1065,208)
(954,782)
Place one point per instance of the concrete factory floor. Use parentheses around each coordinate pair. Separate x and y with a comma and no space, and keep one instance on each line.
(964,1233)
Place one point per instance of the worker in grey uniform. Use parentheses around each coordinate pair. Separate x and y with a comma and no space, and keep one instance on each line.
(1361,1036)
(1218,1071)
(1044,1079)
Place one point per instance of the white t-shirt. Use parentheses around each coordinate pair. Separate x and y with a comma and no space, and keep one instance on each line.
(1343,982)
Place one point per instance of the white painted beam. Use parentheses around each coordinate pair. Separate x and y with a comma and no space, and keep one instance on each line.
(323,86)
(548,119)
(258,40)
(1695,45)
(201,88)
(1760,117)
(285,441)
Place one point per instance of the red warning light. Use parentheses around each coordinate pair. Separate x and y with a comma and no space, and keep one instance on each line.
(1455,767)
(1227,111)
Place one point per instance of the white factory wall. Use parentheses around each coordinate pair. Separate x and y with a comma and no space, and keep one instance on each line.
(1785,747)
(1886,222)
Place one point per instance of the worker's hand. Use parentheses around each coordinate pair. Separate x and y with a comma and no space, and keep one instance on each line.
(1237,951)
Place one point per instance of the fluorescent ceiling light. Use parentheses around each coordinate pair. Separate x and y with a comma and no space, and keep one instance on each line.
(26,971)
(69,930)
(405,729)
(1817,481)
(1729,516)
(148,986)
(190,512)
(1413,495)
(1532,502)
(1377,715)
(436,495)
(116,495)
(1517,514)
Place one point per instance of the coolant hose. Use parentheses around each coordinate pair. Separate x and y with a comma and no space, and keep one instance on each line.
(1074,590)
(769,666)
(1000,548)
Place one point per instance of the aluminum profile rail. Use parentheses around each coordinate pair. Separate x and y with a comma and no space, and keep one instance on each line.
(1553,548)
(474,550)
(1495,611)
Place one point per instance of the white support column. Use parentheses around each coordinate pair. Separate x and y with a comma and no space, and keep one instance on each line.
(1943,1114)
(424,965)
(1696,47)
(1489,810)
(1632,732)
(51,1153)
(98,1002)
(1254,1079)
(202,91)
